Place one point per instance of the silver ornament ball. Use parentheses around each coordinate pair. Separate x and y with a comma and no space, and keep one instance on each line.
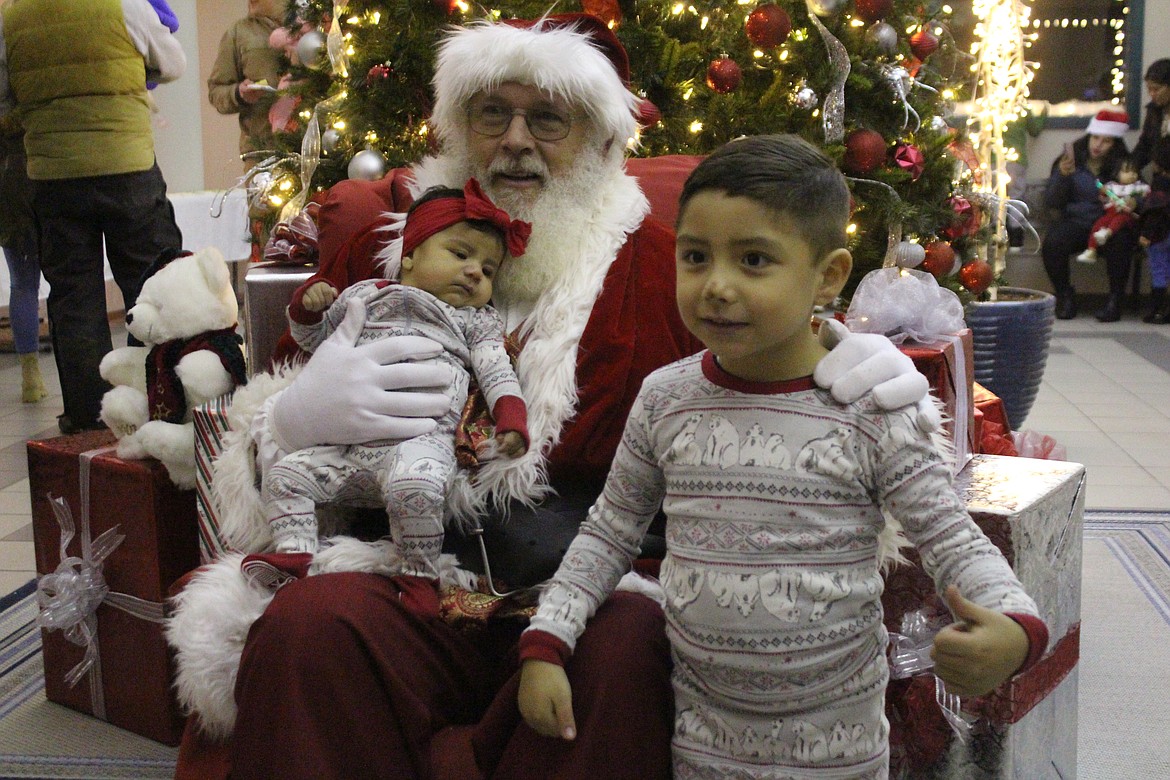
(939,125)
(311,49)
(883,37)
(329,141)
(827,7)
(367,164)
(805,98)
(909,255)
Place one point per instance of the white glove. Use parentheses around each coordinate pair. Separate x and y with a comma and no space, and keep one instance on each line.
(349,394)
(860,362)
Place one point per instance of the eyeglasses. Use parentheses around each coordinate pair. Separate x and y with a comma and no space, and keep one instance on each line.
(494,119)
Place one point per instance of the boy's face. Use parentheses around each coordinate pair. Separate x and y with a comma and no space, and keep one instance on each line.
(747,283)
(456,265)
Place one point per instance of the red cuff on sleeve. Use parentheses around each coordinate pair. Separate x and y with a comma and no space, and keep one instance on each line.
(511,414)
(536,645)
(1037,638)
(296,307)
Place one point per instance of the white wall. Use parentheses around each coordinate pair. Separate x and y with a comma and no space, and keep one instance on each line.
(178,132)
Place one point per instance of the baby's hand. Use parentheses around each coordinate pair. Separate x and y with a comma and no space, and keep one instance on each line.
(319,296)
(546,700)
(510,444)
(977,653)
(1145,242)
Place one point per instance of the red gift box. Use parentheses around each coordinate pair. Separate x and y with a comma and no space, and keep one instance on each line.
(948,364)
(129,684)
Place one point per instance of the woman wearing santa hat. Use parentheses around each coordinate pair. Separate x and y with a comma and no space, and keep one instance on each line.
(1074,190)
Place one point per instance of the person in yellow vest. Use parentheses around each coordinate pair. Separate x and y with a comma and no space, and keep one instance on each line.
(246,72)
(91,161)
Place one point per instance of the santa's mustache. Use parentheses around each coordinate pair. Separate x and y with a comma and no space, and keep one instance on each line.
(524,167)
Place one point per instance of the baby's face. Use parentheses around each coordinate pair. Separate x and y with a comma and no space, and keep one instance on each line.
(1127,175)
(455,265)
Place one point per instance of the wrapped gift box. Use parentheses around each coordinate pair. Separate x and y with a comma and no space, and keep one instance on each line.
(267,291)
(948,364)
(1033,511)
(130,683)
(211,423)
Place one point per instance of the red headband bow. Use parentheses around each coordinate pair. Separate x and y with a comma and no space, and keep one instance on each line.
(441,213)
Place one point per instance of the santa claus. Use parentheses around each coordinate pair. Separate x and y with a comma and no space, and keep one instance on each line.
(338,677)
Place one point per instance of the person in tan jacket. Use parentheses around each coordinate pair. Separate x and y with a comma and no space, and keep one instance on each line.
(244,77)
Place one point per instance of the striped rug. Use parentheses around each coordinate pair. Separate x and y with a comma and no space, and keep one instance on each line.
(1124,688)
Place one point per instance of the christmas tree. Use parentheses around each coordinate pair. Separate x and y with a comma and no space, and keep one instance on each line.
(874,83)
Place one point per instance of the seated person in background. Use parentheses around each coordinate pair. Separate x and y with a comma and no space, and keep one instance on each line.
(1155,234)
(779,642)
(1072,191)
(452,245)
(541,114)
(1122,198)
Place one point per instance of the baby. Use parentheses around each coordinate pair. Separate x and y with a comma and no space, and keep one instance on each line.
(453,242)
(1122,198)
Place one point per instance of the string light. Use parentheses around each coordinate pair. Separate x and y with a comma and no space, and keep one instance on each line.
(1001,96)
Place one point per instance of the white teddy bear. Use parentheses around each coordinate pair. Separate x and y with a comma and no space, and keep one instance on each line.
(186,316)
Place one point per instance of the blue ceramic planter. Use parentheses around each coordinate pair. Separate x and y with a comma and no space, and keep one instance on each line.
(1011,337)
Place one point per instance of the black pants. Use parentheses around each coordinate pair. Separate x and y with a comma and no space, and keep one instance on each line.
(132,213)
(1064,239)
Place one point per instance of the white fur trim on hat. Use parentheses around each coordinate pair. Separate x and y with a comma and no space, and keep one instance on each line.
(1109,123)
(560,61)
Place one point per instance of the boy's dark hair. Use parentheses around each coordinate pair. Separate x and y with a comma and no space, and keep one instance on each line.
(439,191)
(1160,155)
(1159,71)
(786,174)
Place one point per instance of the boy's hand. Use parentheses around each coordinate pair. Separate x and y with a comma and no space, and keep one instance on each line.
(1145,242)
(977,653)
(510,444)
(545,700)
(319,296)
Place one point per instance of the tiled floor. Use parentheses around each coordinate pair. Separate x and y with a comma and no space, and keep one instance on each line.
(1105,397)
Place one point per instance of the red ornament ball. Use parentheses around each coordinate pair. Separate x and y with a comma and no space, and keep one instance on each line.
(923,43)
(607,11)
(910,159)
(939,260)
(976,276)
(768,26)
(444,6)
(648,114)
(865,151)
(377,73)
(724,75)
(873,10)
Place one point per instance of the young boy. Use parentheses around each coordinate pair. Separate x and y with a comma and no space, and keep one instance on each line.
(453,242)
(774,496)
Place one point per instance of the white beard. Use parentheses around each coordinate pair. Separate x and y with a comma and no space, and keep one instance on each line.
(563,208)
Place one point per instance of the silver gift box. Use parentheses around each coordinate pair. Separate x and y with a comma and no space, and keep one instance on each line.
(267,290)
(1033,510)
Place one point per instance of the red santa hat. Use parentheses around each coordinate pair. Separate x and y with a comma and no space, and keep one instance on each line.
(1109,123)
(573,56)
